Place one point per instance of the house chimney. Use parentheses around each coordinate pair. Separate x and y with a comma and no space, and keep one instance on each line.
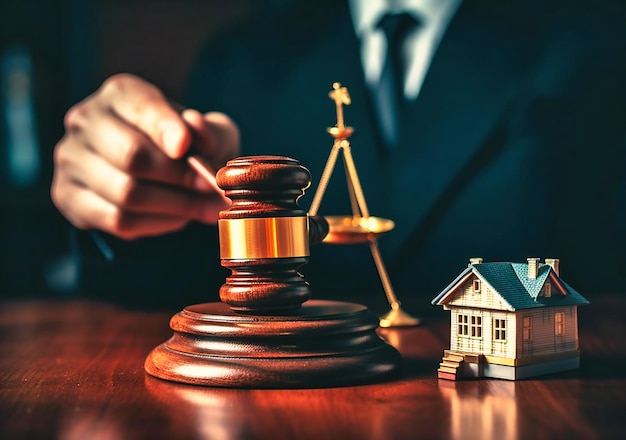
(554,264)
(476,260)
(532,268)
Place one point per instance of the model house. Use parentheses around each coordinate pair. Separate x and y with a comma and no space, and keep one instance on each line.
(510,321)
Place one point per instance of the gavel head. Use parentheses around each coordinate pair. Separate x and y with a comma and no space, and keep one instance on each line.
(264,235)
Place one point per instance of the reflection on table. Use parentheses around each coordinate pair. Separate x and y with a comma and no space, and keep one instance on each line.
(74,370)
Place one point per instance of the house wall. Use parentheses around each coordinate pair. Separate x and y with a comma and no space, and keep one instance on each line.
(543,339)
(488,306)
(485,344)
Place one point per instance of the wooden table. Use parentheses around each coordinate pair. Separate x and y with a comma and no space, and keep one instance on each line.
(74,370)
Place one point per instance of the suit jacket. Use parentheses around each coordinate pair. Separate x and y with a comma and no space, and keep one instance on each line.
(512,150)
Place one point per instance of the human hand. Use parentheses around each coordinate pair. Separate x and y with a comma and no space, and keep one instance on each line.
(119,169)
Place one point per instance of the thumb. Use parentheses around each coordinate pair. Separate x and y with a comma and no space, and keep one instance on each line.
(215,136)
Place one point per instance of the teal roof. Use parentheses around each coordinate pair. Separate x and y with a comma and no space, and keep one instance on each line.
(511,281)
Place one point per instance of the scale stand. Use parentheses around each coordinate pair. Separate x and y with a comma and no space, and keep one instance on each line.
(361,227)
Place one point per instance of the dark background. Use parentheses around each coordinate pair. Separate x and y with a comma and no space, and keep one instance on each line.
(53,53)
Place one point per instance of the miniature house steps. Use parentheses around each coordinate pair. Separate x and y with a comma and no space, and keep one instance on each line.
(453,356)
(452,362)
(449,366)
(447,369)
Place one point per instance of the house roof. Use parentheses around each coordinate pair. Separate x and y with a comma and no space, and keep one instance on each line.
(511,282)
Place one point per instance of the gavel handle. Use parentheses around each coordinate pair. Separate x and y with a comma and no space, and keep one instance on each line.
(201,166)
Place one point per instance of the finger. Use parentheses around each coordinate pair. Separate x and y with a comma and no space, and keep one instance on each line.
(142,196)
(215,136)
(89,211)
(201,135)
(131,152)
(145,107)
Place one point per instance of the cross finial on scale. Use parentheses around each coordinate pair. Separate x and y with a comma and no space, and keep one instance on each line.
(341,96)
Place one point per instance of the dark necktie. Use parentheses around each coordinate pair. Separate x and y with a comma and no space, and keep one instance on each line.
(389,95)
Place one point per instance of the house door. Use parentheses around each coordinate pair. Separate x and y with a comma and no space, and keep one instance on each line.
(476,334)
(559,331)
(527,335)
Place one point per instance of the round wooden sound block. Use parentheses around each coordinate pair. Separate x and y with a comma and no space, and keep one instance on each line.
(322,344)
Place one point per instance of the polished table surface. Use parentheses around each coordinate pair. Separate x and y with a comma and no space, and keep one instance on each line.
(74,370)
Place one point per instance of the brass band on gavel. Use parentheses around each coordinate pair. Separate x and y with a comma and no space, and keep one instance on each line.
(271,237)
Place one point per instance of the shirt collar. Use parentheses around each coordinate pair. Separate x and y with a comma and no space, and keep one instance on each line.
(367,13)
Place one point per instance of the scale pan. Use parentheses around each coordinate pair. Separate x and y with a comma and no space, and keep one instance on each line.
(347,230)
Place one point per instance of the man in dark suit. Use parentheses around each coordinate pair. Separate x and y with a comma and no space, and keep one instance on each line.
(512,148)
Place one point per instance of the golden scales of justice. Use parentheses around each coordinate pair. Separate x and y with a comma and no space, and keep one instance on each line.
(360,227)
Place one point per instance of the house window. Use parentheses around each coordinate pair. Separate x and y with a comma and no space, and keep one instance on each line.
(463,321)
(559,324)
(499,329)
(476,286)
(527,328)
(547,290)
(476,328)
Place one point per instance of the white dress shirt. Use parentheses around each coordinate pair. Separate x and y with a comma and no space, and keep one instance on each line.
(433,17)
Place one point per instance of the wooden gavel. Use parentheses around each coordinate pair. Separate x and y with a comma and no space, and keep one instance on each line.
(265,333)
